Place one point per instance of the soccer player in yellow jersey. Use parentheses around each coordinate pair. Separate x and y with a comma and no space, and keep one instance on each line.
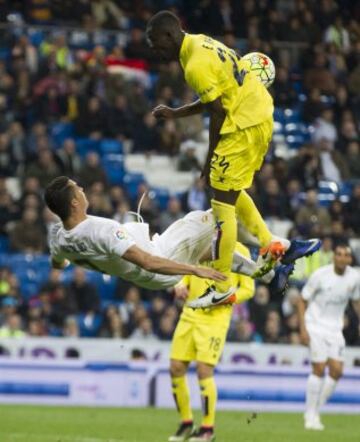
(241,125)
(200,336)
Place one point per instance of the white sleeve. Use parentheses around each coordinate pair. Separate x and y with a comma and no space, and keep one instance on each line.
(355,295)
(310,287)
(53,245)
(116,241)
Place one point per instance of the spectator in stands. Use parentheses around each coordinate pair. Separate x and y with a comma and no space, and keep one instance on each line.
(272,331)
(169,138)
(71,103)
(8,163)
(187,159)
(325,128)
(36,328)
(144,330)
(171,76)
(313,106)
(172,213)
(9,211)
(71,328)
(353,210)
(197,199)
(348,133)
(92,172)
(83,293)
(338,35)
(353,159)
(332,162)
(92,121)
(273,201)
(44,168)
(284,94)
(306,167)
(120,119)
(318,76)
(12,327)
(259,306)
(146,135)
(70,161)
(136,47)
(243,331)
(311,214)
(113,327)
(27,235)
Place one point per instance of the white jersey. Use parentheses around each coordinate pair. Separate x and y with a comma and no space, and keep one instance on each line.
(99,244)
(328,294)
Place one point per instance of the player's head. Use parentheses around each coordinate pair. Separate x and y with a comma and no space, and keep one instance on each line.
(164,35)
(342,257)
(64,197)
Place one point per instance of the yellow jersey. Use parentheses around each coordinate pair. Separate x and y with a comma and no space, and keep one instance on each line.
(213,70)
(196,286)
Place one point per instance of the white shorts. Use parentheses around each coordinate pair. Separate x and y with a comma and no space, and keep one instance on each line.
(185,241)
(325,345)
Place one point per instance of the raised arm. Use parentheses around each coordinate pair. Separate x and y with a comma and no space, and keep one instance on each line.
(164,266)
(163,111)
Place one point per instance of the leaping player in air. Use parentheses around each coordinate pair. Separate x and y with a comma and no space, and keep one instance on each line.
(127,251)
(241,125)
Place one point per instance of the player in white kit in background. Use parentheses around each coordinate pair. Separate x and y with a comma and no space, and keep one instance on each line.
(321,309)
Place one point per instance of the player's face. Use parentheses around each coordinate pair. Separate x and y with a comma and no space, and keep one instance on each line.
(162,44)
(342,258)
(79,196)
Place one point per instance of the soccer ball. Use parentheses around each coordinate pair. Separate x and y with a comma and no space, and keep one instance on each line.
(262,65)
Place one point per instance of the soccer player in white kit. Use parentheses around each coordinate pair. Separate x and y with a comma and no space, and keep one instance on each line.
(127,251)
(321,310)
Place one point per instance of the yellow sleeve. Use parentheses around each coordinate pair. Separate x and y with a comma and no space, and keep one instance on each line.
(202,76)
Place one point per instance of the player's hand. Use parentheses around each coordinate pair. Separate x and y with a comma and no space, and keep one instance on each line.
(181,292)
(208,273)
(304,337)
(163,111)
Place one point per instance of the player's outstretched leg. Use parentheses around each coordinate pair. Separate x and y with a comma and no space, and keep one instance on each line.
(300,248)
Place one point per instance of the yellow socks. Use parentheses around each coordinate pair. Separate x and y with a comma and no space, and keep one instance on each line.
(248,215)
(224,241)
(209,397)
(181,395)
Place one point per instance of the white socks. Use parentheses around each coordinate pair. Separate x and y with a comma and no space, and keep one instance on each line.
(246,266)
(313,388)
(328,388)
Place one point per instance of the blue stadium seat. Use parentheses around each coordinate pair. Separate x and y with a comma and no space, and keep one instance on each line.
(36,36)
(131,182)
(292,116)
(295,141)
(60,131)
(4,244)
(161,196)
(105,284)
(110,146)
(279,115)
(89,328)
(113,165)
(86,145)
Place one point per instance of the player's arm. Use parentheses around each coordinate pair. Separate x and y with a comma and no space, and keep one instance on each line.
(157,264)
(301,306)
(187,110)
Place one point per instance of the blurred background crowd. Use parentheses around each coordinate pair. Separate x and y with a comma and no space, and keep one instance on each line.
(77,86)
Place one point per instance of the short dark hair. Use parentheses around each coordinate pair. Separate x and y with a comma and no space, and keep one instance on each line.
(58,195)
(164,20)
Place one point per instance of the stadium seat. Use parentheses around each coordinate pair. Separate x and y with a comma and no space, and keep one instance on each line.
(4,243)
(291,116)
(131,182)
(105,284)
(110,147)
(113,165)
(89,325)
(85,145)
(295,141)
(161,196)
(60,131)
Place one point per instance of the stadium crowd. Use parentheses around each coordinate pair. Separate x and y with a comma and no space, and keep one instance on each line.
(72,79)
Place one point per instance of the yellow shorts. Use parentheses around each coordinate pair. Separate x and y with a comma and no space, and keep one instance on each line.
(239,155)
(202,342)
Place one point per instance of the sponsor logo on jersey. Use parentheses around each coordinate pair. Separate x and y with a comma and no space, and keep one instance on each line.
(120,234)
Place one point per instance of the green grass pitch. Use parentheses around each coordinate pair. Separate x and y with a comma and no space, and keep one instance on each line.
(80,424)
